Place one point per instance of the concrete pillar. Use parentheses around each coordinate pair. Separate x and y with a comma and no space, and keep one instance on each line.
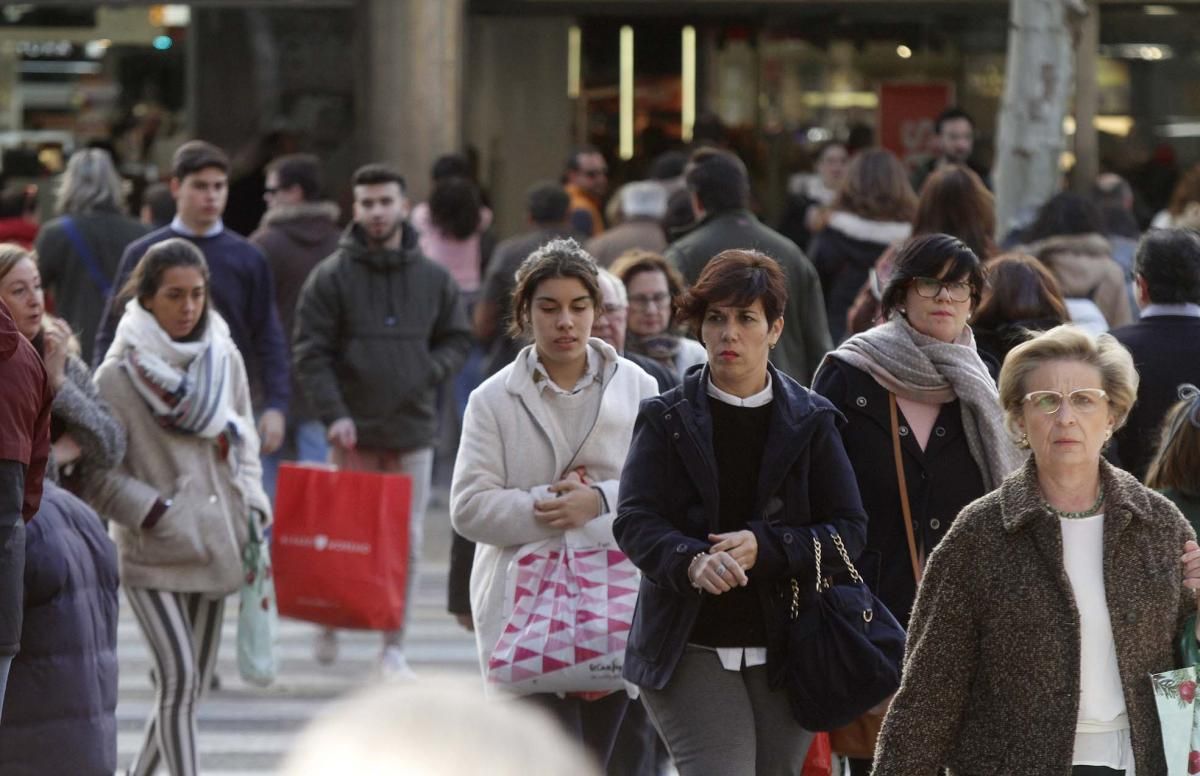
(413,96)
(518,116)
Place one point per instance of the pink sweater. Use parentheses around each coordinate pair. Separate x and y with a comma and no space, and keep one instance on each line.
(461,257)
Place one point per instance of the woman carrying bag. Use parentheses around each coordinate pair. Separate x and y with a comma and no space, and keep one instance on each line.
(543,443)
(920,403)
(189,486)
(730,478)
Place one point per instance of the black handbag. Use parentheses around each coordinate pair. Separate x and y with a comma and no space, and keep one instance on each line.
(844,650)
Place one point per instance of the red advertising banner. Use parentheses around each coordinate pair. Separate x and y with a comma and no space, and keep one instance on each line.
(906,115)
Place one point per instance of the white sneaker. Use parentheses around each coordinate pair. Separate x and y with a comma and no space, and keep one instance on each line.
(393,666)
(325,648)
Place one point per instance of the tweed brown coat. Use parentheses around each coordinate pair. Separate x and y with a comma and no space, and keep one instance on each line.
(991,674)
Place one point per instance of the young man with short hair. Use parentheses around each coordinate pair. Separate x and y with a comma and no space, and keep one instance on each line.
(297,232)
(586,182)
(378,328)
(242,289)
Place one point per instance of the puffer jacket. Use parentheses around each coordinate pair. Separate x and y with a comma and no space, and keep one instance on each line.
(376,332)
(1085,269)
(60,707)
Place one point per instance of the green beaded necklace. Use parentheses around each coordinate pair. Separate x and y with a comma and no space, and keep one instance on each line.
(1089,512)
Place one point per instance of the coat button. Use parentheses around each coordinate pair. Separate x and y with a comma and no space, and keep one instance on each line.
(675,435)
(667,416)
(212,499)
(682,548)
(787,538)
(861,401)
(935,524)
(904,431)
(940,431)
(1131,617)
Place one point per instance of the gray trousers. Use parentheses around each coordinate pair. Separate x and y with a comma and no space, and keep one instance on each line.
(717,722)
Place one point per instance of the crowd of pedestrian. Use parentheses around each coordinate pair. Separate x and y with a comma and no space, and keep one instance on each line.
(998,438)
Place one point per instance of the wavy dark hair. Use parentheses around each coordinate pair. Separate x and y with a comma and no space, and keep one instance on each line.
(736,278)
(1021,289)
(954,201)
(1066,213)
(454,207)
(877,188)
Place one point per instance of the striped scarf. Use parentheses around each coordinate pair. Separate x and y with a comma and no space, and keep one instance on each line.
(188,386)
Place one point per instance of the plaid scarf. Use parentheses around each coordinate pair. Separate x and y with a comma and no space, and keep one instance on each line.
(188,386)
(921,368)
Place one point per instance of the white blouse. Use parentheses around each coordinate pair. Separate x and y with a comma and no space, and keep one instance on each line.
(1102,729)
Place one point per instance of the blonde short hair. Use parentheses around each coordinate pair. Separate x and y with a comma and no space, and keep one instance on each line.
(436,727)
(1070,343)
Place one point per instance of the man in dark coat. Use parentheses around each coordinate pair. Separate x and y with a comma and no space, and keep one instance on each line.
(24,450)
(60,711)
(378,328)
(1165,342)
(720,190)
(297,232)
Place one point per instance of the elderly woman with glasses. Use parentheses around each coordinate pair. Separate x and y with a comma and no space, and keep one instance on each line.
(1051,599)
(653,285)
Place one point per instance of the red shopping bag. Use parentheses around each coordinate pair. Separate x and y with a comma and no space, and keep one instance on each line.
(819,761)
(340,546)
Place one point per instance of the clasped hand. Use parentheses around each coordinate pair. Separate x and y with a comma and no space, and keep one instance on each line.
(725,566)
(574,505)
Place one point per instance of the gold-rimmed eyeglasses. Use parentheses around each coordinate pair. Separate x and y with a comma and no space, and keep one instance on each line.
(1082,400)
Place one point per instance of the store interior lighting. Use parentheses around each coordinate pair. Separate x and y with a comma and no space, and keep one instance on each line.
(574,56)
(687,112)
(625,139)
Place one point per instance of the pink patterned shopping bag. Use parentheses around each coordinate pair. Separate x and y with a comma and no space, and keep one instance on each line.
(568,618)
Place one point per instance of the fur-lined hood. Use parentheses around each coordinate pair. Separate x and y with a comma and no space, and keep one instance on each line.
(305,222)
(867,230)
(1092,245)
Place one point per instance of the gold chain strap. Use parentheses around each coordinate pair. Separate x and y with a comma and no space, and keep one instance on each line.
(825,584)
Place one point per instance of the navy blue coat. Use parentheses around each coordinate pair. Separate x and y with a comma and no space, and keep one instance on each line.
(669,504)
(60,708)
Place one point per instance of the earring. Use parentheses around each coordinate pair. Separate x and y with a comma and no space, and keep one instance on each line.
(1024,441)
(1108,434)
(902,310)
(772,345)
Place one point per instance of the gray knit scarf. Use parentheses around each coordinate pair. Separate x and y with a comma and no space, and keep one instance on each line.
(920,368)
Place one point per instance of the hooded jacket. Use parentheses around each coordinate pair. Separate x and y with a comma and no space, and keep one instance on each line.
(1085,269)
(295,239)
(377,330)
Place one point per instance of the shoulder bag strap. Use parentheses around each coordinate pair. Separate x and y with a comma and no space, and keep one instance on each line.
(85,254)
(904,507)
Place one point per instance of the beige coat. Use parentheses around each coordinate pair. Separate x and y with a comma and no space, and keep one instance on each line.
(1085,269)
(196,546)
(991,676)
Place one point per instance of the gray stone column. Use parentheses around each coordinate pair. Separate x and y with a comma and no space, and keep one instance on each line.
(412,110)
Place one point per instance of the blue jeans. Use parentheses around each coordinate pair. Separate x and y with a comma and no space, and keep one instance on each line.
(304,442)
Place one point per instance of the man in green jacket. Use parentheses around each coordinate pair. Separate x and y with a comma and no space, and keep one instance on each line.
(378,328)
(720,190)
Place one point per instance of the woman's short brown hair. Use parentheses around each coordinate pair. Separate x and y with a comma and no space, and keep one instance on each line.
(1070,343)
(555,259)
(737,278)
(1176,463)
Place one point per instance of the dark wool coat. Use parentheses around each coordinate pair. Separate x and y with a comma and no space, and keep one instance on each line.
(942,479)
(991,677)
(60,707)
(669,504)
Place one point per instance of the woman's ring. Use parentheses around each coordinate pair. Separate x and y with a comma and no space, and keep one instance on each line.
(721,570)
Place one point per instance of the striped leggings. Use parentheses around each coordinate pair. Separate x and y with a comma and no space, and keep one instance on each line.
(183,631)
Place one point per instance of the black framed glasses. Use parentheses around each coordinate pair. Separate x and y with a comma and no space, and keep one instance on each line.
(959,290)
(1082,400)
(646,301)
